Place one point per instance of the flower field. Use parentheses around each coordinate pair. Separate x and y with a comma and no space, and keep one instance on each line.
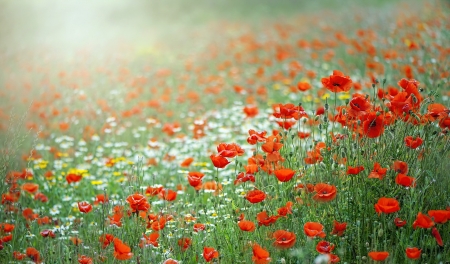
(322,137)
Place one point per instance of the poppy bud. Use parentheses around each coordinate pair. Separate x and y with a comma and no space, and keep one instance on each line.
(384,82)
(326,106)
(347,101)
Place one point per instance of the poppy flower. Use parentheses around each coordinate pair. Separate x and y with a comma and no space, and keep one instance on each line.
(324,247)
(167,195)
(423,221)
(313,229)
(439,216)
(332,258)
(7,228)
(284,175)
(337,82)
(121,250)
(72,177)
(373,125)
(30,187)
(106,240)
(288,111)
(246,225)
(324,192)
(84,207)
(84,260)
(413,253)
(413,143)
(229,150)
(33,254)
(264,219)
(47,233)
(195,178)
(399,222)
(186,162)
(40,197)
(303,86)
(153,191)
(255,196)
(159,223)
(170,261)
(7,238)
(209,253)
(303,135)
(400,166)
(387,205)
(354,170)
(405,180)
(101,198)
(378,172)
(260,255)
(338,228)
(138,202)
(244,177)
(19,256)
(251,111)
(378,255)
(283,239)
(199,227)
(184,243)
(437,236)
(219,161)
(285,210)
(255,137)
(151,239)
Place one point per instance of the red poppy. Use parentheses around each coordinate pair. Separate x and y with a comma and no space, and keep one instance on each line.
(400,166)
(168,195)
(244,177)
(285,210)
(264,219)
(373,125)
(84,260)
(413,253)
(101,198)
(423,221)
(246,225)
(399,222)
(229,150)
(153,191)
(106,240)
(138,202)
(209,253)
(354,170)
(378,172)
(72,177)
(255,137)
(159,223)
(288,111)
(184,243)
(7,228)
(170,261)
(199,227)
(195,178)
(187,162)
(41,197)
(303,135)
(324,247)
(324,192)
(260,255)
(251,111)
(303,86)
(33,254)
(151,239)
(6,239)
(338,228)
(405,180)
(439,216)
(387,205)
(337,82)
(332,258)
(30,187)
(378,255)
(19,256)
(255,196)
(284,175)
(283,239)
(219,161)
(84,207)
(47,233)
(413,143)
(313,229)
(437,236)
(121,250)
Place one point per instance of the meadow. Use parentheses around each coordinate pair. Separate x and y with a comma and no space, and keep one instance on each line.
(310,135)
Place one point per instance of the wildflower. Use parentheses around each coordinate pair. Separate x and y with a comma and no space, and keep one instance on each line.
(84,207)
(195,179)
(413,143)
(400,166)
(106,239)
(209,253)
(170,261)
(324,192)
(378,255)
(354,170)
(387,205)
(255,196)
(287,209)
(72,177)
(168,195)
(405,180)
(378,172)
(246,225)
(84,260)
(264,219)
(313,229)
(288,111)
(373,125)
(47,233)
(30,187)
(437,236)
(284,175)
(121,250)
(151,239)
(33,254)
(283,239)
(199,227)
(19,256)
(251,111)
(101,198)
(324,247)
(260,255)
(413,253)
(337,82)
(422,221)
(219,161)
(186,162)
(439,216)
(338,228)
(138,202)
(399,222)
(184,243)
(244,177)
